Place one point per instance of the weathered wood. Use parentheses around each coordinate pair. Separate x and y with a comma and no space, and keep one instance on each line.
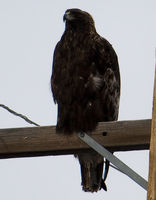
(152,166)
(42,141)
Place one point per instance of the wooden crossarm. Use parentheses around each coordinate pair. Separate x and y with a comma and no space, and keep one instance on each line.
(43,141)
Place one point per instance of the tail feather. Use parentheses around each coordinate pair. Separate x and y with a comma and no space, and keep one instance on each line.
(92,171)
(91,177)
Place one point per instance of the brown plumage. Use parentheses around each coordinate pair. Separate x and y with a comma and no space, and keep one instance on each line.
(85,84)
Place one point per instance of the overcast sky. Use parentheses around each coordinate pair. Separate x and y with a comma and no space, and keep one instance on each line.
(29,31)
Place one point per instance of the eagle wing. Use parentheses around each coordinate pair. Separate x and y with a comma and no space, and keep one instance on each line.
(106,78)
(55,73)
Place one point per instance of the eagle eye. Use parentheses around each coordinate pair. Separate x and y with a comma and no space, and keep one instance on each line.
(68,16)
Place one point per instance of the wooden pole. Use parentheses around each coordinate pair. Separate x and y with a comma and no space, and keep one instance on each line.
(152,166)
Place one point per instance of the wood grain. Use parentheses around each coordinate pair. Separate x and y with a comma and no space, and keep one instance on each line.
(151,195)
(43,141)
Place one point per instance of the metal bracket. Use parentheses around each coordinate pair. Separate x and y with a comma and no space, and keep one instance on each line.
(113,159)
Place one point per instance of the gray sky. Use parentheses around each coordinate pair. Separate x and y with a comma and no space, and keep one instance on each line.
(29,31)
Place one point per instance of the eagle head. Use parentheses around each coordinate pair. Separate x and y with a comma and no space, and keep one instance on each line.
(78,18)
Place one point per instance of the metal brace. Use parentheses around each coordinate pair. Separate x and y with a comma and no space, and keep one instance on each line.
(113,159)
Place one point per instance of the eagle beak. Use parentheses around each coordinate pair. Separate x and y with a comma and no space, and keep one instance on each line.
(64,17)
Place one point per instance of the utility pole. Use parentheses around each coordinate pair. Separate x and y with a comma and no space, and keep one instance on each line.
(152,166)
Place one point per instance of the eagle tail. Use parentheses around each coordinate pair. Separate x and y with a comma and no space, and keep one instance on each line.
(91,173)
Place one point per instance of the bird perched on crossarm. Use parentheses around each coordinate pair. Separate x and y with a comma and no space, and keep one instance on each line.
(85,84)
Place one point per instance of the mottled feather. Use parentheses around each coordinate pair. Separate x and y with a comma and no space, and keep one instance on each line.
(85,84)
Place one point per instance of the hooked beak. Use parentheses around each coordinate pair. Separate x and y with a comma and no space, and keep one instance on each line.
(64,17)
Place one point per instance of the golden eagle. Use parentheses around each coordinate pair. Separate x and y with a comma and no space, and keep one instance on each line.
(85,84)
